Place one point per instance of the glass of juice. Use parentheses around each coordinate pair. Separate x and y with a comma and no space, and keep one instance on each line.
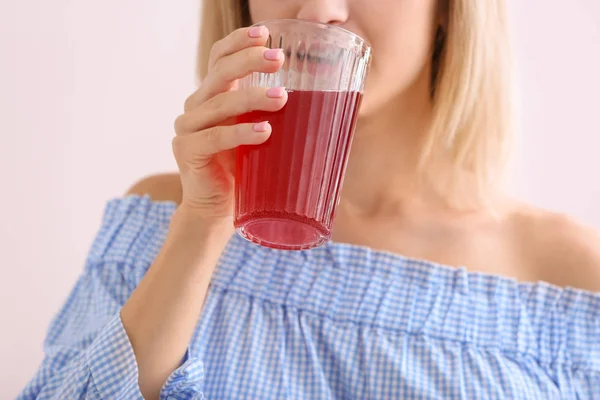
(287,189)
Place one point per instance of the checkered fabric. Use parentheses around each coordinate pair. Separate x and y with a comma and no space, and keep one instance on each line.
(337,322)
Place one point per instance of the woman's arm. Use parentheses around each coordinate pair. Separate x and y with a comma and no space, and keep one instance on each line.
(88,354)
(162,312)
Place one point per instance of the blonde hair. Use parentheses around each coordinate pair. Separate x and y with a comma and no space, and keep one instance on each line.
(471,91)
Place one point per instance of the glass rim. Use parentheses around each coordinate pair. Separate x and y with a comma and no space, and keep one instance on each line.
(353,35)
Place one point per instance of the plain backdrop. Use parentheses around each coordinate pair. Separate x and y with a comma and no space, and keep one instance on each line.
(89,92)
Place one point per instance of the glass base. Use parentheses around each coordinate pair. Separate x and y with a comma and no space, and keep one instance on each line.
(283,233)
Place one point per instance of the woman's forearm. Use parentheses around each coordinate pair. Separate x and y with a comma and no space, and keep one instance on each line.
(161,314)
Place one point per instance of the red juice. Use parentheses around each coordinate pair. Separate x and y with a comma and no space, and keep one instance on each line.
(287,189)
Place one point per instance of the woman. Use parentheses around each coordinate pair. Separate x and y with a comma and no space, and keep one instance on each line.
(364,316)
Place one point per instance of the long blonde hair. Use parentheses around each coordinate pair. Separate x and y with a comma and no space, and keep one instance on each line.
(471,91)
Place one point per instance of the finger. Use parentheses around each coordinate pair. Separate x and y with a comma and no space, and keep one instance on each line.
(228,105)
(212,141)
(236,66)
(236,41)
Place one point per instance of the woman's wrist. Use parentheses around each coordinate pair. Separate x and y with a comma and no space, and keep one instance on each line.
(195,221)
(194,240)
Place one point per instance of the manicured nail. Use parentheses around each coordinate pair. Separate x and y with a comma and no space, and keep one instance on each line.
(273,54)
(275,93)
(261,127)
(256,31)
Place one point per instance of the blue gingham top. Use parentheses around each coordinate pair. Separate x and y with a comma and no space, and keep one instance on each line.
(337,322)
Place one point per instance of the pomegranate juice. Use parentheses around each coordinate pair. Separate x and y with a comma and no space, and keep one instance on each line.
(287,188)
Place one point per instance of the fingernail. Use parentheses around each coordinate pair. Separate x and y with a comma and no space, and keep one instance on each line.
(273,54)
(261,127)
(255,32)
(275,93)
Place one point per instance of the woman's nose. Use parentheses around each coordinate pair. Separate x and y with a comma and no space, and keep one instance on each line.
(326,11)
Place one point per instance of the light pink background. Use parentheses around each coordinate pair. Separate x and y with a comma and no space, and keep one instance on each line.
(88,94)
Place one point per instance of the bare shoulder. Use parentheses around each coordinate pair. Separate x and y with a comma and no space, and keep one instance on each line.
(565,251)
(161,187)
